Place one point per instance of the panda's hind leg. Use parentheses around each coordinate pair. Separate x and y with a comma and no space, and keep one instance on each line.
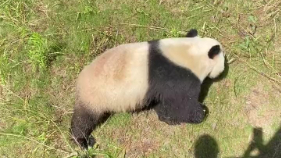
(82,125)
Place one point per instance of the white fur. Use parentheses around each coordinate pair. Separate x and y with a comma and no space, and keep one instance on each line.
(118,82)
(192,53)
(218,66)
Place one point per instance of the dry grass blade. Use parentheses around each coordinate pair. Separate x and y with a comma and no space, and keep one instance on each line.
(259,72)
(149,27)
(35,141)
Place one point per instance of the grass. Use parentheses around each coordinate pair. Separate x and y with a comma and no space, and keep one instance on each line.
(45,44)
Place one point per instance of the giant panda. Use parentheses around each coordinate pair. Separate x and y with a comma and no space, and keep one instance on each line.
(167,72)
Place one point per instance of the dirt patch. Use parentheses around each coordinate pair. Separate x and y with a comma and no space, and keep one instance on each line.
(144,147)
(258,108)
(143,142)
(2,125)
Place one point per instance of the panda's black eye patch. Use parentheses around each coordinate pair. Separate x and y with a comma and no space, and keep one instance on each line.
(215,50)
(192,33)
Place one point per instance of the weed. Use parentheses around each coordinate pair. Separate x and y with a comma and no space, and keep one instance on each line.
(37,48)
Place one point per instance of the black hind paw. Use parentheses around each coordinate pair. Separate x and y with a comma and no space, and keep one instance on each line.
(84,143)
(91,141)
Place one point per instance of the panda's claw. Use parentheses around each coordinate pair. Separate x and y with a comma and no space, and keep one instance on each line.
(91,141)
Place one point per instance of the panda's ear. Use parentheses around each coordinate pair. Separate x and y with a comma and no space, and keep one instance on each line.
(215,50)
(192,33)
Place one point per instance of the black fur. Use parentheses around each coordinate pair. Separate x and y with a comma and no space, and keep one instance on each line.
(176,89)
(83,123)
(192,33)
(215,50)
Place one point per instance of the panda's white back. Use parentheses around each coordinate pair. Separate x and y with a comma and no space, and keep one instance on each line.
(117,80)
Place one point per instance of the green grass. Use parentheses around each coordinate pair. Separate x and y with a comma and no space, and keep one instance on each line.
(45,44)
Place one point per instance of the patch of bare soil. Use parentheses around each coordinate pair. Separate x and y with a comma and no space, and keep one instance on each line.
(144,141)
(2,125)
(259,109)
(148,135)
(144,147)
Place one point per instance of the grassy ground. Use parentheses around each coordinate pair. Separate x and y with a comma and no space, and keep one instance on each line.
(45,43)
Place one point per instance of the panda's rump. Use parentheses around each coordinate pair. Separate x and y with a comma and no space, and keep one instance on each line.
(117,80)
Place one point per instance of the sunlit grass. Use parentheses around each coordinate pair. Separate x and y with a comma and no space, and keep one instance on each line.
(45,44)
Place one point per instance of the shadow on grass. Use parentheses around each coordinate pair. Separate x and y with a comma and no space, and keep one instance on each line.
(207,83)
(207,147)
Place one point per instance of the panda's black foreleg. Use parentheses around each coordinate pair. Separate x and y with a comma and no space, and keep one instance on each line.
(82,124)
(164,115)
(180,110)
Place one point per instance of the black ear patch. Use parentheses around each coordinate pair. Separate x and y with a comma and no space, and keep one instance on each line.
(192,33)
(215,50)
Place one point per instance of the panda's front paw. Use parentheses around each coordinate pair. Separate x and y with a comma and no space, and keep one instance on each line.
(206,110)
(199,115)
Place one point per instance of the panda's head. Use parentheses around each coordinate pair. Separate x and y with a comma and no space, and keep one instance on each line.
(212,52)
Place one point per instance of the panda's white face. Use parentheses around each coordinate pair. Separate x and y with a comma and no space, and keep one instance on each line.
(218,65)
(216,55)
(203,56)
